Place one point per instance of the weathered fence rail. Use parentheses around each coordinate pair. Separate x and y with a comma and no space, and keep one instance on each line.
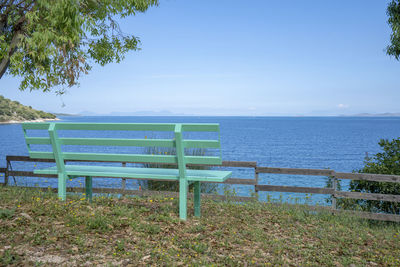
(9,172)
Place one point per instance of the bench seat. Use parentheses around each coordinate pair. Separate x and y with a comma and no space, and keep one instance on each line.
(139,173)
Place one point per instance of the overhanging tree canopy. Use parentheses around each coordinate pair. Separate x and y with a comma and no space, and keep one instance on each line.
(52,43)
(393,12)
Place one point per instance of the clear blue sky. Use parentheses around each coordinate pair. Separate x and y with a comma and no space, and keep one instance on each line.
(243,58)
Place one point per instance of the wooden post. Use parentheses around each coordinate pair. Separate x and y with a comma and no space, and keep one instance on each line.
(334,187)
(6,174)
(88,188)
(123,179)
(197,199)
(256,183)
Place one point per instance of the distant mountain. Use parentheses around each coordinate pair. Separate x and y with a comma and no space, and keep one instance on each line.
(88,113)
(144,113)
(387,114)
(65,114)
(13,111)
(133,113)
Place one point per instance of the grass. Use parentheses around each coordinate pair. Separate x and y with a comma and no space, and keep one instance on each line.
(37,229)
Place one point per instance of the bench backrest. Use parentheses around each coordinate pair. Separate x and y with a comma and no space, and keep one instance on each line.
(177,142)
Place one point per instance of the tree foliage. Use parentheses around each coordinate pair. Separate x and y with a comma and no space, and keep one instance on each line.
(385,162)
(393,12)
(52,43)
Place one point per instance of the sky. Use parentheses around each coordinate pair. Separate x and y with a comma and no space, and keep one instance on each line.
(242,58)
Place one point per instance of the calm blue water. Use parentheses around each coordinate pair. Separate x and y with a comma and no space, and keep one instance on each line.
(338,143)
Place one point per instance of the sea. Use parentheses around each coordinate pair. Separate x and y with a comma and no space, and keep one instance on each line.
(337,143)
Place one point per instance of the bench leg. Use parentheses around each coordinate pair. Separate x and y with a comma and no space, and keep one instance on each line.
(197,199)
(183,187)
(88,187)
(62,186)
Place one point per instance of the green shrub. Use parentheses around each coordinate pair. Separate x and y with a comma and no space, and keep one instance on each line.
(385,162)
(172,185)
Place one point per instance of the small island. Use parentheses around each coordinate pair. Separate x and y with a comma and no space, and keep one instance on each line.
(15,112)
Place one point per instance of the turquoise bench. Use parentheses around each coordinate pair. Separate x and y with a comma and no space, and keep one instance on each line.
(56,149)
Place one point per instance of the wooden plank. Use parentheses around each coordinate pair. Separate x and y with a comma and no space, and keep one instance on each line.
(294,189)
(131,158)
(117,142)
(368,196)
(142,158)
(116,126)
(200,127)
(30,174)
(161,176)
(35,125)
(41,155)
(237,181)
(370,215)
(203,160)
(240,181)
(245,164)
(38,140)
(201,144)
(27,159)
(369,177)
(314,172)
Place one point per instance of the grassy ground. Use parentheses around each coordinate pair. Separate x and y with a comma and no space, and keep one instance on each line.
(36,228)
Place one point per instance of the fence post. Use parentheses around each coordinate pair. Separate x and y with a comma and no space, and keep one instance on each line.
(123,179)
(256,182)
(334,187)
(6,174)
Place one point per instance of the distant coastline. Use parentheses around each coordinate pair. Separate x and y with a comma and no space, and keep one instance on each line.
(14,112)
(22,121)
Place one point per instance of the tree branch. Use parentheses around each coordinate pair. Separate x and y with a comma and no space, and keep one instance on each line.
(17,31)
(13,47)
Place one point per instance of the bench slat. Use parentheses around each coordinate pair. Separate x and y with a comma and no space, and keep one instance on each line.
(201,144)
(203,160)
(117,126)
(200,127)
(41,155)
(35,126)
(121,157)
(187,127)
(38,140)
(124,142)
(117,142)
(128,158)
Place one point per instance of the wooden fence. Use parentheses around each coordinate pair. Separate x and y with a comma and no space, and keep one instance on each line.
(333,191)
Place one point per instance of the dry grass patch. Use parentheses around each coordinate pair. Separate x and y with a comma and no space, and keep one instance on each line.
(37,229)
